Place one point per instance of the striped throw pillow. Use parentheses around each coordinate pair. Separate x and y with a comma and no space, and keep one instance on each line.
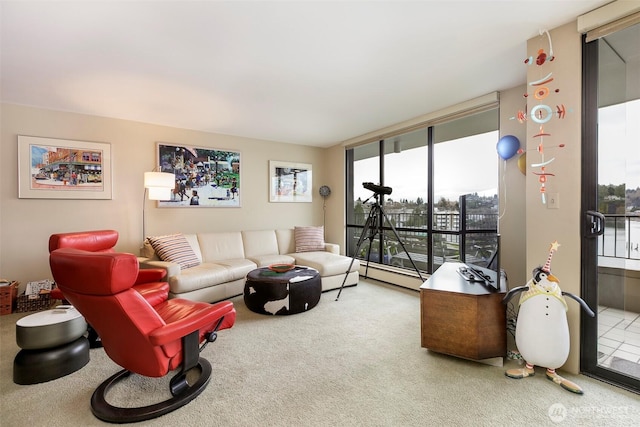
(174,248)
(309,239)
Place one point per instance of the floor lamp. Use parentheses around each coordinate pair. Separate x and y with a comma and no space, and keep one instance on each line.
(324,191)
(157,186)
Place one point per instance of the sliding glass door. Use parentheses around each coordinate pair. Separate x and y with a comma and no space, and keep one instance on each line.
(611,189)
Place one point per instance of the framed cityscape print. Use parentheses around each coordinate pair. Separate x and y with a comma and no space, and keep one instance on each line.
(204,177)
(51,168)
(290,182)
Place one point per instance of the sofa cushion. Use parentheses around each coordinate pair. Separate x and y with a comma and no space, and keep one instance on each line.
(174,248)
(198,277)
(220,246)
(309,239)
(286,241)
(238,268)
(326,263)
(259,242)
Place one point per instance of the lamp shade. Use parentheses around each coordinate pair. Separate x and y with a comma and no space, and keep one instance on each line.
(158,193)
(159,185)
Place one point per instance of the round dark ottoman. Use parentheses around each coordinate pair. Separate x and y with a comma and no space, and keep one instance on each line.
(291,292)
(52,345)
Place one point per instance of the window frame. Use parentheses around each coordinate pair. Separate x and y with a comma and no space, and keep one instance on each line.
(351,225)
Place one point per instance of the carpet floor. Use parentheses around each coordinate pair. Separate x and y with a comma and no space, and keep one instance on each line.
(352,362)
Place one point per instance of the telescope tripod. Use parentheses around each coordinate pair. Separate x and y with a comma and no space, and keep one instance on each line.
(372,228)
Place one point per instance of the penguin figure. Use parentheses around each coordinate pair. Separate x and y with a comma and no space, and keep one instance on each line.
(542,330)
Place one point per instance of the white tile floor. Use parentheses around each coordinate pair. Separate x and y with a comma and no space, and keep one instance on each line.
(618,335)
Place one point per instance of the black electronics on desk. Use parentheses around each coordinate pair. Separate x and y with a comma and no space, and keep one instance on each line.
(489,276)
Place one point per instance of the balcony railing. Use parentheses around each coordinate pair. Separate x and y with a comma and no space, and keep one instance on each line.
(621,238)
(472,241)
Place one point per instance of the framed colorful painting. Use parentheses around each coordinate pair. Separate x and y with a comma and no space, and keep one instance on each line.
(51,168)
(204,177)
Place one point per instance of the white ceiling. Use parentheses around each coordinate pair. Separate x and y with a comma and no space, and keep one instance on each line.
(312,73)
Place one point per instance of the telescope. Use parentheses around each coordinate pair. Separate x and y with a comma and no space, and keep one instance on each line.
(378,189)
(372,228)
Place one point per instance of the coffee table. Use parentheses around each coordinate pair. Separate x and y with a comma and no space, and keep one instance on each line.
(290,292)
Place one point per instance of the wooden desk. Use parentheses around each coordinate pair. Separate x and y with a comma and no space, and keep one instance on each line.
(462,318)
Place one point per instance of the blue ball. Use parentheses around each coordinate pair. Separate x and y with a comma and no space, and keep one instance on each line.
(508,146)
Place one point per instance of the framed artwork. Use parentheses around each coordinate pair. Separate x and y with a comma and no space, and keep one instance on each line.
(204,177)
(290,182)
(63,169)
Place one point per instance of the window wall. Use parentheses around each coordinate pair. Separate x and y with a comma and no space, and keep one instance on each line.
(429,173)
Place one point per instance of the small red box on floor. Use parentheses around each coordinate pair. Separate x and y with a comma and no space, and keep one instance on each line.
(8,295)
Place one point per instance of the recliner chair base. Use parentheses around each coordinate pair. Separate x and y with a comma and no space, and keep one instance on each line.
(113,414)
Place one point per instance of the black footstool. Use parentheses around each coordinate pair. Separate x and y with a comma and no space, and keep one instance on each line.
(291,292)
(52,345)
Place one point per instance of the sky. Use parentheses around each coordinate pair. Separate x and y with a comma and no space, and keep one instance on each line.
(619,144)
(462,166)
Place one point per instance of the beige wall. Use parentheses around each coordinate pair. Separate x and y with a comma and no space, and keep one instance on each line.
(335,211)
(25,224)
(545,225)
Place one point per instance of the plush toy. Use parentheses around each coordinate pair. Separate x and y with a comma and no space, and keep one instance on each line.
(542,330)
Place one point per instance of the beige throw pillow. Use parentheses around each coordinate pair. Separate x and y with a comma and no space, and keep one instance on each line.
(309,239)
(174,248)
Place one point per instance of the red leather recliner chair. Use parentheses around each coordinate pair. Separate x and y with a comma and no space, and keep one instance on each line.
(142,338)
(148,283)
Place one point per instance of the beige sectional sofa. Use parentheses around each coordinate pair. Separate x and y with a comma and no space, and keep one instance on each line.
(225,258)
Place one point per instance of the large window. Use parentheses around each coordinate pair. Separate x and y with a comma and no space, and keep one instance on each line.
(430,172)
